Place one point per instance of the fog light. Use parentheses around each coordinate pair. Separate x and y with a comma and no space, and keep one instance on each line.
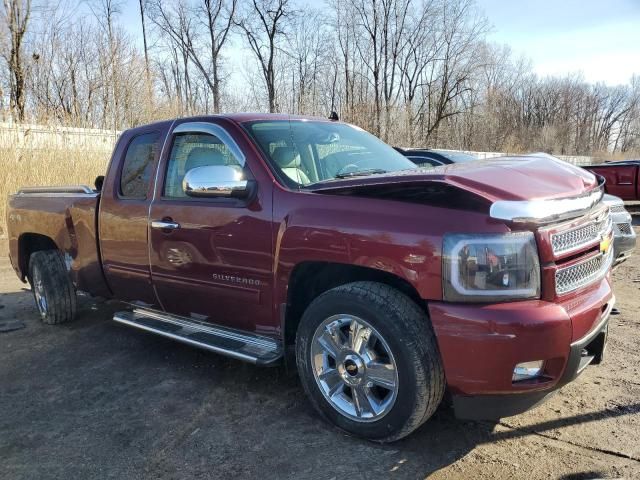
(527,370)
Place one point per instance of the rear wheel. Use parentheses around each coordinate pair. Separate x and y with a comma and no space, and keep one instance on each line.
(53,291)
(368,360)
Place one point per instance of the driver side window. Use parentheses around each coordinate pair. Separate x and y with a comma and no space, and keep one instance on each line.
(192,150)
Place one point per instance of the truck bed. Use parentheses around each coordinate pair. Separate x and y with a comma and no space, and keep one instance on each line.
(57,217)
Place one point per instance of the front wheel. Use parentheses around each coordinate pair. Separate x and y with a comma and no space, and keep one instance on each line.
(368,360)
(53,290)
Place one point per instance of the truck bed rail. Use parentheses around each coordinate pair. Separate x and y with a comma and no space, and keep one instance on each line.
(69,189)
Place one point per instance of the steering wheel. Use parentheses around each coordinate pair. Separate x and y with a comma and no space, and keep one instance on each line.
(349,168)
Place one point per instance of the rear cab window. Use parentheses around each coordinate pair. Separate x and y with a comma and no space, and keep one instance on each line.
(137,167)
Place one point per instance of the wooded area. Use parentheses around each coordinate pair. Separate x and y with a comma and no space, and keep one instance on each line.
(414,72)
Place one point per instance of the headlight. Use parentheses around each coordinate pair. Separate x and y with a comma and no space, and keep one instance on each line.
(489,268)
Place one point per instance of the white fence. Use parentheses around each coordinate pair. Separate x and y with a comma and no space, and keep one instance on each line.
(40,137)
(578,160)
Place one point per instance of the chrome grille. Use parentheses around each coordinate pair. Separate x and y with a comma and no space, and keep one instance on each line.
(580,274)
(580,236)
(623,228)
(619,208)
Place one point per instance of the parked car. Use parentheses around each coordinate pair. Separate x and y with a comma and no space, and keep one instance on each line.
(623,178)
(435,158)
(273,238)
(624,237)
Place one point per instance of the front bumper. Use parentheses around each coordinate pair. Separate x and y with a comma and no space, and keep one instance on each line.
(481,344)
(623,245)
(588,350)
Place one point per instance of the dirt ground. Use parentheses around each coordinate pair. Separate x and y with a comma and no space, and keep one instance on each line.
(94,399)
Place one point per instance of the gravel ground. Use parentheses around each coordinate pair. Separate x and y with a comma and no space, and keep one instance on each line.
(94,399)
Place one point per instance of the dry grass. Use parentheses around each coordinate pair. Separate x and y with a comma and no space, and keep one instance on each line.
(24,168)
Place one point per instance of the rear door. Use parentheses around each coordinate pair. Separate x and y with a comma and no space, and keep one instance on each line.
(124,209)
(215,263)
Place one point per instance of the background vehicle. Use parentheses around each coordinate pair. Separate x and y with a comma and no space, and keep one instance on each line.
(624,240)
(623,178)
(271,237)
(422,157)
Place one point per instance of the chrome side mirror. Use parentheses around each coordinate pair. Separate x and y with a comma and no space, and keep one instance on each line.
(215,181)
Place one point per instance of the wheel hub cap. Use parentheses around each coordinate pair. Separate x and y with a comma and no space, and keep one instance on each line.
(351,369)
(38,291)
(354,368)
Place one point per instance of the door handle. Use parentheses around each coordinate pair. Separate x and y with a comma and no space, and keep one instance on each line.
(165,225)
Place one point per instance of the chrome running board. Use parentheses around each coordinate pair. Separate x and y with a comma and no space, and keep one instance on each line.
(226,341)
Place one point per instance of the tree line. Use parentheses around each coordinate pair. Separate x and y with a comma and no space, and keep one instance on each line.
(414,72)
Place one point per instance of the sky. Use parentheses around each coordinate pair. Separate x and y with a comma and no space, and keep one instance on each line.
(599,38)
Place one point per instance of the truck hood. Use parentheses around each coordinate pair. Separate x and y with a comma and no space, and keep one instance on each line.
(522,178)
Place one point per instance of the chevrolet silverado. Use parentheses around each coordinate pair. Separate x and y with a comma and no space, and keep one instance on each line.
(274,238)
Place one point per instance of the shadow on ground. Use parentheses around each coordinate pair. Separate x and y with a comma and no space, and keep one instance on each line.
(94,399)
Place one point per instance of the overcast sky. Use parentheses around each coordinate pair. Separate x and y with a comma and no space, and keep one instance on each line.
(600,38)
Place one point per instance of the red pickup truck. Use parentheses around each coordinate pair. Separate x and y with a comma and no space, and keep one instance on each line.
(274,238)
(622,178)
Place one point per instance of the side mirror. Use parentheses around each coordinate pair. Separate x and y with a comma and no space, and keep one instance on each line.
(216,181)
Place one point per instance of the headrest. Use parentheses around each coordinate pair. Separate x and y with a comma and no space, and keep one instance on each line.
(202,157)
(286,157)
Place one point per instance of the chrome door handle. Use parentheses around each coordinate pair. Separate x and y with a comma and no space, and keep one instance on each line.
(165,225)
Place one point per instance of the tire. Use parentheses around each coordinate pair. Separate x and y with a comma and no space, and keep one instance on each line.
(395,333)
(54,294)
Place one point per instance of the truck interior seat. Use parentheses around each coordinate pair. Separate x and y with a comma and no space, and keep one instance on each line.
(288,159)
(204,157)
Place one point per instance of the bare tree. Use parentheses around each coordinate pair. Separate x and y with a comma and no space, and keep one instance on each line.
(200,31)
(263,24)
(15,18)
(308,59)
(416,72)
(144,41)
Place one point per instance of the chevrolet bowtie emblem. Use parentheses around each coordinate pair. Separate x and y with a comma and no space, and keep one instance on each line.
(605,244)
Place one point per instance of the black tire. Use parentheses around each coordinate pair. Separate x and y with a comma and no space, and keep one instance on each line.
(406,329)
(47,268)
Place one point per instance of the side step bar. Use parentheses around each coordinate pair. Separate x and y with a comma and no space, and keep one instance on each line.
(255,349)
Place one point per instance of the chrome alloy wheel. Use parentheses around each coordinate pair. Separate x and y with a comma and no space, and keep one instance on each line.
(354,368)
(38,291)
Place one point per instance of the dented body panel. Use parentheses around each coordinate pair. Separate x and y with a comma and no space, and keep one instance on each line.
(70,222)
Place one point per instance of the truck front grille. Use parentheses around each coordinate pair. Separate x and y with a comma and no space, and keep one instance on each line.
(617,208)
(581,236)
(580,274)
(623,228)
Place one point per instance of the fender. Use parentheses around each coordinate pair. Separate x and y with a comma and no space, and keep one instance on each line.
(376,234)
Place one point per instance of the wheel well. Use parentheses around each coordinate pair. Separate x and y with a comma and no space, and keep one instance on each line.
(310,279)
(29,243)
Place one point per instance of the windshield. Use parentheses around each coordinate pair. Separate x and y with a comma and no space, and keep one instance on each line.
(456,157)
(307,152)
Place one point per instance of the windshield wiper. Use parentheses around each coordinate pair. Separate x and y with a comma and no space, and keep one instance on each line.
(360,173)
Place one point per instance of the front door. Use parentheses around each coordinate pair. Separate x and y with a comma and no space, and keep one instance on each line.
(211,258)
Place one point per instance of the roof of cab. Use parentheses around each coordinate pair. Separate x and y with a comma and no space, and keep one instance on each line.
(254,116)
(242,117)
